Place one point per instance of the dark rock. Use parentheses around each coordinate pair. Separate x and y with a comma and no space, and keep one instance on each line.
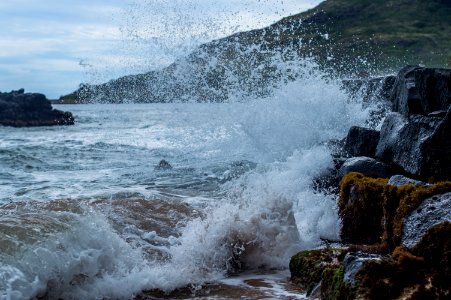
(361,141)
(421,91)
(367,166)
(398,180)
(353,263)
(20,109)
(420,145)
(435,248)
(163,165)
(432,211)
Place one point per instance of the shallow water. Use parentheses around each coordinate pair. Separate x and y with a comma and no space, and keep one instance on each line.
(85,213)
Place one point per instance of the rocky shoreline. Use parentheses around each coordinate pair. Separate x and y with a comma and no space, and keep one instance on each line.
(20,109)
(394,199)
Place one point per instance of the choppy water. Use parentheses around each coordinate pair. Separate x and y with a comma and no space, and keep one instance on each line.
(84,213)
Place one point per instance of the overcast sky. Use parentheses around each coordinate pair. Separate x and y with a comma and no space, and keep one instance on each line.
(51,46)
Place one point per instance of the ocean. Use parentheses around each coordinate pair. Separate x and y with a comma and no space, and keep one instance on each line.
(87,213)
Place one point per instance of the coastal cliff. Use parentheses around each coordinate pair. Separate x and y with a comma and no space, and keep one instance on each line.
(348,38)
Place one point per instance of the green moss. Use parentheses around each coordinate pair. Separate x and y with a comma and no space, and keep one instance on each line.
(373,211)
(361,208)
(333,286)
(307,267)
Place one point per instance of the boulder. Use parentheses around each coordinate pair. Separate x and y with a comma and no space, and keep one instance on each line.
(421,91)
(20,109)
(366,166)
(361,141)
(432,211)
(421,145)
(361,209)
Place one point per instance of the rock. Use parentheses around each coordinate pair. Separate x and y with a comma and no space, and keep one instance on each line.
(435,248)
(20,109)
(432,211)
(367,166)
(163,165)
(398,180)
(360,208)
(421,91)
(307,267)
(361,141)
(353,263)
(419,144)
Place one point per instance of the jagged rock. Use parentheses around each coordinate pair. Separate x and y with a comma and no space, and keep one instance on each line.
(421,91)
(432,211)
(398,180)
(367,166)
(20,109)
(420,145)
(361,141)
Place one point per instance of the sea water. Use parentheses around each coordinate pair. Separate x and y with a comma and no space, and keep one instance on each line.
(85,212)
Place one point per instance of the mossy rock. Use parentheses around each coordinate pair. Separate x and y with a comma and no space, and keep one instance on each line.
(334,287)
(307,267)
(372,211)
(435,247)
(361,208)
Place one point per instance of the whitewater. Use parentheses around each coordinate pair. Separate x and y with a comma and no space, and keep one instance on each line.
(86,213)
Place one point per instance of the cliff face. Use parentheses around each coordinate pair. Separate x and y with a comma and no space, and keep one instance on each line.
(349,37)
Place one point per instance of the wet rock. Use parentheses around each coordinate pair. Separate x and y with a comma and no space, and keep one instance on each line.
(307,267)
(367,166)
(361,141)
(398,180)
(419,144)
(421,91)
(20,109)
(360,207)
(353,263)
(163,165)
(432,211)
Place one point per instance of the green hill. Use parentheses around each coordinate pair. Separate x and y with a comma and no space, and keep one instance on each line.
(345,37)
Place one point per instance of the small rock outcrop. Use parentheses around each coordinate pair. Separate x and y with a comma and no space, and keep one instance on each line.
(20,109)
(395,229)
(163,165)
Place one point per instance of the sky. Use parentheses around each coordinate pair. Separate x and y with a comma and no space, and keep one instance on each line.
(51,46)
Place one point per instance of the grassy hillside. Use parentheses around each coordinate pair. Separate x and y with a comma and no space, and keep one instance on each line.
(348,37)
